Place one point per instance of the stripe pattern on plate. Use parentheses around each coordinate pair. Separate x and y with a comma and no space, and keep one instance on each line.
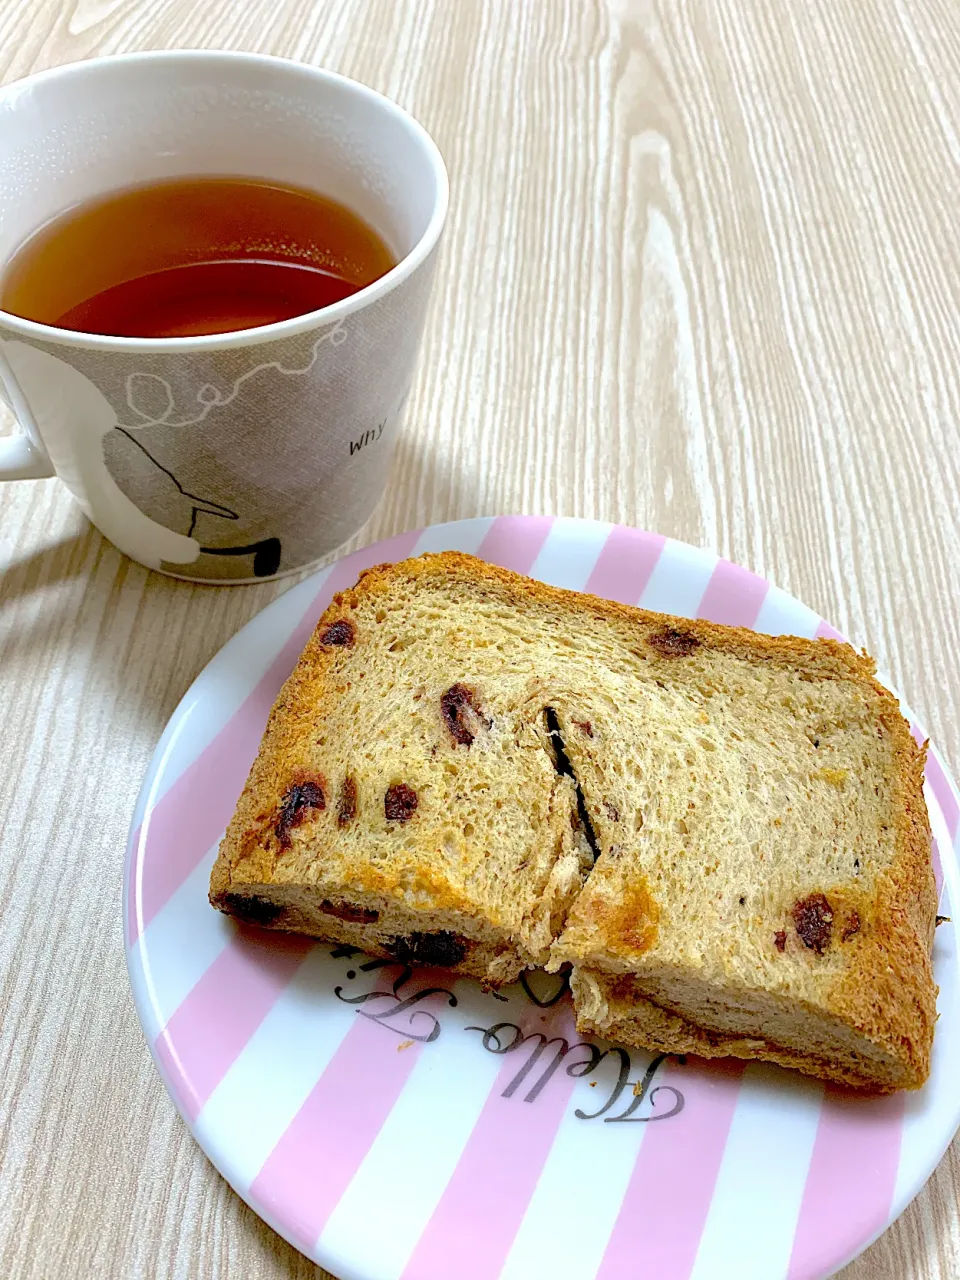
(384,1151)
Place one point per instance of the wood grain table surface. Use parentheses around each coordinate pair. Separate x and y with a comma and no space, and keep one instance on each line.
(700,276)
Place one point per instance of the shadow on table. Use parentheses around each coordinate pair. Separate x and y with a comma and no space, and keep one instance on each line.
(78,605)
(58,601)
(46,566)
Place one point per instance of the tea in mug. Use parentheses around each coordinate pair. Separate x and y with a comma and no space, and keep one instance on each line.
(191,256)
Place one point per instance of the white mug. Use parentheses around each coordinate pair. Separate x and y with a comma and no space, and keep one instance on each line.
(237,456)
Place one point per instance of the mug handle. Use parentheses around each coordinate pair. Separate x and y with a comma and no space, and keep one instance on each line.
(20,457)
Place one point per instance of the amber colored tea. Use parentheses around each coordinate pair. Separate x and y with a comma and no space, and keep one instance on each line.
(192,256)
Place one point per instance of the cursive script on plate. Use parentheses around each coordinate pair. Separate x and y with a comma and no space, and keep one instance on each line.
(398,1006)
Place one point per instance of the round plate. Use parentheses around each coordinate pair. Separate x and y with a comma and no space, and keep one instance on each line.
(403,1124)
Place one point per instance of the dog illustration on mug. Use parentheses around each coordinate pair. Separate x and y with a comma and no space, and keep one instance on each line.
(155,506)
(77,454)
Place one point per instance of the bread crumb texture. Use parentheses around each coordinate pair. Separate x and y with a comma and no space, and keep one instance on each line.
(723,832)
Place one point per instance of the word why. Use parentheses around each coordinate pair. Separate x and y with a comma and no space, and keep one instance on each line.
(368,437)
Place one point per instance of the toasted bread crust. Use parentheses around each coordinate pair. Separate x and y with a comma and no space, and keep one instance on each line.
(889,992)
(661,1031)
(886,988)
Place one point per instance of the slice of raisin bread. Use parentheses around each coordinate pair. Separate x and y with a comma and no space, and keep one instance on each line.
(723,832)
(405,798)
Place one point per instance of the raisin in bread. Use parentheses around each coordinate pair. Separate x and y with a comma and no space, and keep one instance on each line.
(722,832)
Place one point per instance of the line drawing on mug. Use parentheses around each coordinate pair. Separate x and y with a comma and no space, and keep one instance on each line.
(77,451)
(201,504)
(210,396)
(71,415)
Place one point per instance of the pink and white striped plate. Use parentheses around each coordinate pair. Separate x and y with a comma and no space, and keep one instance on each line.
(399,1125)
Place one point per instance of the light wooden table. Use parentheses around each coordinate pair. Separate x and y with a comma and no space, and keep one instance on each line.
(701,276)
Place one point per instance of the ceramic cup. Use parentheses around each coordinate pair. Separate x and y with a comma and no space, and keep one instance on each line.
(235,456)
